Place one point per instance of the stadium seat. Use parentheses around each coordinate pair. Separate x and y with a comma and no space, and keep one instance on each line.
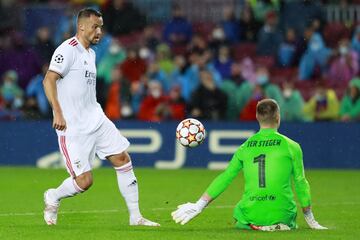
(264,61)
(333,32)
(243,50)
(203,28)
(280,75)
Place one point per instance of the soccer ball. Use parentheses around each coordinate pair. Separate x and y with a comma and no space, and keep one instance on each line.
(190,132)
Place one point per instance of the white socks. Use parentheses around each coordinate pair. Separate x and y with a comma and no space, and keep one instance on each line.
(129,189)
(68,188)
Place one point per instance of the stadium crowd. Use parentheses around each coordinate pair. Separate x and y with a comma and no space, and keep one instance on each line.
(170,70)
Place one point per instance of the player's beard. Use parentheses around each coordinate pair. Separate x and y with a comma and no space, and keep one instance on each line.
(95,40)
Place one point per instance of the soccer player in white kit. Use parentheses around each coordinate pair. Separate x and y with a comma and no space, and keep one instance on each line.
(83,129)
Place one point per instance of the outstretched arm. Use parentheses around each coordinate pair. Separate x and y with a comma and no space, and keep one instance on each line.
(188,211)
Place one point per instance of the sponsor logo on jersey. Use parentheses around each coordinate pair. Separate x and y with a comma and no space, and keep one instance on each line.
(263,198)
(91,77)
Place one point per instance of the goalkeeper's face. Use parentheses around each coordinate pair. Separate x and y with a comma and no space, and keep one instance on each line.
(93,29)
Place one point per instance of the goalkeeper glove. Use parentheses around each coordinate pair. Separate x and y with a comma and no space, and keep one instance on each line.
(310,219)
(188,211)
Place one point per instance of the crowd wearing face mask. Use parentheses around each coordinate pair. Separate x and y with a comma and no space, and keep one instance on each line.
(207,70)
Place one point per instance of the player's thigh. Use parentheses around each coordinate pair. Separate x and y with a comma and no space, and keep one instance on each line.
(109,140)
(78,152)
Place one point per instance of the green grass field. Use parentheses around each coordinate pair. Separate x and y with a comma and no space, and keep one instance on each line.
(100,213)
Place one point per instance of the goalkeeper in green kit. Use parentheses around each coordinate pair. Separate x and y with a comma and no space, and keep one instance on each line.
(270,162)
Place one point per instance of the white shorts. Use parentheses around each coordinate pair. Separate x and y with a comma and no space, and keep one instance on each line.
(79,151)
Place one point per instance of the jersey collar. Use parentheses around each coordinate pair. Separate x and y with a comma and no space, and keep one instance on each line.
(267,130)
(82,48)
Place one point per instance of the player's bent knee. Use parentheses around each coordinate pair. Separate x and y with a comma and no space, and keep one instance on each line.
(120,159)
(84,180)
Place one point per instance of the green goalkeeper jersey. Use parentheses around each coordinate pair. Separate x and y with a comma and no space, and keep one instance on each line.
(270,161)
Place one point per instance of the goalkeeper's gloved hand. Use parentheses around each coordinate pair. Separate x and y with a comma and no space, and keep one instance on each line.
(188,211)
(310,219)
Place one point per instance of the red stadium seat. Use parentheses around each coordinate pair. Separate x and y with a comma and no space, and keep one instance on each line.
(264,61)
(243,50)
(333,32)
(281,75)
(203,28)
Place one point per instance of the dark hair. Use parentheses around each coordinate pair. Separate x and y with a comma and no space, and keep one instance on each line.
(267,111)
(87,12)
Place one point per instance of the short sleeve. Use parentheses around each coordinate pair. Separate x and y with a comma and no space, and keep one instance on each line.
(62,60)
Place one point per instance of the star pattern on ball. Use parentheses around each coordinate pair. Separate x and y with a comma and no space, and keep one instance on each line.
(191,137)
(187,124)
(59,58)
(201,127)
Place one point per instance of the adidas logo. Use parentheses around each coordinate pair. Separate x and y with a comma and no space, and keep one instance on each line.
(133,183)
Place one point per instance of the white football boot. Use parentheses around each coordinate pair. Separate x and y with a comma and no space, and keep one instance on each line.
(51,209)
(143,222)
(271,228)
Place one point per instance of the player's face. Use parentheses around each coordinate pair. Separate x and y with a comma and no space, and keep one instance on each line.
(92,29)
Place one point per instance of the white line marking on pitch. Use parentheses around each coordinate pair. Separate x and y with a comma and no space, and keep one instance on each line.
(106,211)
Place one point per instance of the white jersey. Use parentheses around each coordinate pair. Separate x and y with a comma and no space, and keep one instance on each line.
(76,90)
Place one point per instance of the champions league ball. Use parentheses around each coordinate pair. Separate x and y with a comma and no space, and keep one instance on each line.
(190,132)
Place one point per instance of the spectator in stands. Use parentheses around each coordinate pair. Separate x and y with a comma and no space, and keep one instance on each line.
(270,90)
(208,101)
(35,93)
(350,104)
(43,44)
(269,37)
(151,107)
(217,39)
(17,54)
(239,87)
(174,108)
(292,109)
(230,25)
(10,92)
(178,31)
(323,106)
(223,62)
(248,113)
(198,44)
(176,104)
(249,26)
(262,7)
(179,74)
(114,56)
(118,102)
(355,42)
(163,58)
(192,79)
(155,73)
(66,26)
(345,64)
(248,70)
(121,18)
(9,13)
(133,67)
(151,40)
(302,14)
(314,61)
(288,55)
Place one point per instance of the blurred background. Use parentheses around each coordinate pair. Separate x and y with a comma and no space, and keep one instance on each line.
(165,60)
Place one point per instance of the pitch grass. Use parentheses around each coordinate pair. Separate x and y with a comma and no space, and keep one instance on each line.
(100,213)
